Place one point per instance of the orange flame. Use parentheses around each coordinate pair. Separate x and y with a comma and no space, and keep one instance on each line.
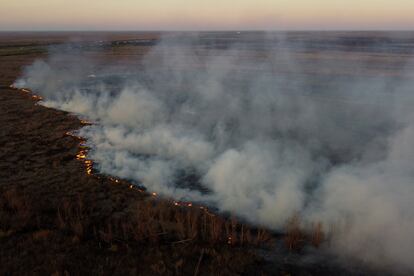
(37,98)
(82,154)
(85,122)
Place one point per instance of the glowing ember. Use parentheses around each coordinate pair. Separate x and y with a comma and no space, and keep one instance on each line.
(36,97)
(89,166)
(81,155)
(25,90)
(114,179)
(74,136)
(229,240)
(85,122)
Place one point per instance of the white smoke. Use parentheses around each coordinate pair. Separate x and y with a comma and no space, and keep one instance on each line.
(268,133)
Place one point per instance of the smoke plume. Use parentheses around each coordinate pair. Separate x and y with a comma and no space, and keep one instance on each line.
(264,128)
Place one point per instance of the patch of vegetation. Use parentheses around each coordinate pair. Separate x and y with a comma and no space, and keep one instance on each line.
(22,50)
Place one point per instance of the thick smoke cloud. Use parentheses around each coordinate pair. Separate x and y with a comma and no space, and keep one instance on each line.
(263,133)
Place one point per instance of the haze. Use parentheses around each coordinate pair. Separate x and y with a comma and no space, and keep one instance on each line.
(35,15)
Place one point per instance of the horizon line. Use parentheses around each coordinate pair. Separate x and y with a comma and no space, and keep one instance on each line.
(215,30)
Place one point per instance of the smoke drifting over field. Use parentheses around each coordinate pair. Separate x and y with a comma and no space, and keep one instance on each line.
(263,133)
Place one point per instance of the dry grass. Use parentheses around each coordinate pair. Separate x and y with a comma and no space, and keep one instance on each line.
(298,236)
(71,216)
(318,235)
(294,238)
(152,238)
(155,221)
(152,221)
(41,234)
(15,211)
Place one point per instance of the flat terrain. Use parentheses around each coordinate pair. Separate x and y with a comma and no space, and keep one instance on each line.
(57,219)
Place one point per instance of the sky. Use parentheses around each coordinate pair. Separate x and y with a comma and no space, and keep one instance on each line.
(206,15)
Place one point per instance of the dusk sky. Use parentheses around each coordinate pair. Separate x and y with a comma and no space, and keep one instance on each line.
(206,15)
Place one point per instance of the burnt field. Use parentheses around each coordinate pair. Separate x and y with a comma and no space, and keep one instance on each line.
(62,214)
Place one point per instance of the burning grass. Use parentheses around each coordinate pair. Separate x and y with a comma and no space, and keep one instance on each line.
(61,219)
(151,221)
(66,220)
(148,222)
(155,220)
(34,97)
(83,152)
